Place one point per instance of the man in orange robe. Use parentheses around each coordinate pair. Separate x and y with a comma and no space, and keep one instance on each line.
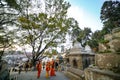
(52,70)
(39,68)
(47,69)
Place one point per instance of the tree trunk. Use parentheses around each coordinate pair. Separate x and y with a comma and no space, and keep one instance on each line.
(34,63)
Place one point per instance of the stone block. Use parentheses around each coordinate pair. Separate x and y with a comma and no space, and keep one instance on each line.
(108,37)
(97,74)
(102,47)
(107,61)
(75,74)
(115,45)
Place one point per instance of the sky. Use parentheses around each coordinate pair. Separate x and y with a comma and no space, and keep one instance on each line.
(87,13)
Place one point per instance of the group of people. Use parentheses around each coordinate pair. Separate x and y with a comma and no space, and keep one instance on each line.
(50,67)
(27,65)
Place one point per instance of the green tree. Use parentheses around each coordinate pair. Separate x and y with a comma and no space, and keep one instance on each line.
(7,19)
(96,37)
(54,52)
(84,36)
(110,15)
(46,29)
(74,33)
(9,10)
(50,54)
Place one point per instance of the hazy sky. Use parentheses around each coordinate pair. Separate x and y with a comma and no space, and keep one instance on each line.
(87,13)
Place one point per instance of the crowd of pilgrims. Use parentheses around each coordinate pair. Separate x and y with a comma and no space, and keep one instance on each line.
(50,67)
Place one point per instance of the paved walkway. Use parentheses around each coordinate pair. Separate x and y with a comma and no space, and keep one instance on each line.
(31,75)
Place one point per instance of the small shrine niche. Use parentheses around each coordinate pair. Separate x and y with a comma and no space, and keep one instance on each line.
(80,57)
(75,65)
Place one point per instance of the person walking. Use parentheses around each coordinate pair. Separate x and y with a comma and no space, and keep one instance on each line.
(20,69)
(47,69)
(43,64)
(26,66)
(52,70)
(39,68)
(56,65)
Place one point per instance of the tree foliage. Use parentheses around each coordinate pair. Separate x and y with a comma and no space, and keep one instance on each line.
(7,7)
(74,33)
(110,15)
(84,36)
(96,37)
(51,53)
(46,29)
(7,19)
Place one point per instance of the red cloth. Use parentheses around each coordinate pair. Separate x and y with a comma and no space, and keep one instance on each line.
(52,70)
(38,74)
(39,68)
(47,68)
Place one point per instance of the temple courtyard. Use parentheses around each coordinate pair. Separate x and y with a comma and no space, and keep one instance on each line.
(31,75)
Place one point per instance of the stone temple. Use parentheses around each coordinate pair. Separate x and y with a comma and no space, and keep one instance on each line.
(80,57)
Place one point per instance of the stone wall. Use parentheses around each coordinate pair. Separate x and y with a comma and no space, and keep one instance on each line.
(107,61)
(115,45)
(114,41)
(75,74)
(108,37)
(83,60)
(96,74)
(116,30)
(78,59)
(102,47)
(87,60)
(116,34)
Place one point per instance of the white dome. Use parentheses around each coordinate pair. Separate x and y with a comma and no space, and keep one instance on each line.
(77,45)
(87,48)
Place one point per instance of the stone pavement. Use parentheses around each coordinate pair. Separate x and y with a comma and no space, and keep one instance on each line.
(31,75)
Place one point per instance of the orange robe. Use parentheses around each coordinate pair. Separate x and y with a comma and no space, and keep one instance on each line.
(47,69)
(39,68)
(52,70)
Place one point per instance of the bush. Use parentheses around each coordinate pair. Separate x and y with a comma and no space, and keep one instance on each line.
(104,41)
(106,51)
